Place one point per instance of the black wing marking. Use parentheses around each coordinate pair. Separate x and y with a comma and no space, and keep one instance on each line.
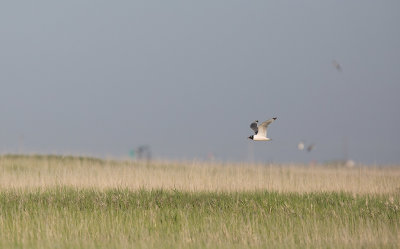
(254,127)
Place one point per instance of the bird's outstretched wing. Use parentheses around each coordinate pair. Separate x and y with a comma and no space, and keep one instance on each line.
(254,127)
(262,128)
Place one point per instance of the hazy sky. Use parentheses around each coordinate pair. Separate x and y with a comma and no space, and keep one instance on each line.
(188,77)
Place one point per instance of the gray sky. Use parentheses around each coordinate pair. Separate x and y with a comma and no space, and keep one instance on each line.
(188,77)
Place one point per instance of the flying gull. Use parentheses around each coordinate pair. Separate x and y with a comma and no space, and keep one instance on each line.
(260,130)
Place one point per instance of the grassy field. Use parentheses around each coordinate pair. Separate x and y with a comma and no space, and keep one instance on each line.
(67,202)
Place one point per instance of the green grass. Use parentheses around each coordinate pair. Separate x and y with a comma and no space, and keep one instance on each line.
(79,202)
(119,218)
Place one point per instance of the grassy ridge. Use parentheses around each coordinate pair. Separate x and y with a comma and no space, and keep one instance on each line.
(119,218)
(32,172)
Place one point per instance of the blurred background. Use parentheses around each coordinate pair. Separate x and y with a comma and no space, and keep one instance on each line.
(184,79)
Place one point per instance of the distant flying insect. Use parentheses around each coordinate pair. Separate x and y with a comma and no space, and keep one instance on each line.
(310,147)
(337,65)
(260,130)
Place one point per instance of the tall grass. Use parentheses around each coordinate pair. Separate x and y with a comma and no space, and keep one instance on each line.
(71,218)
(67,202)
(50,171)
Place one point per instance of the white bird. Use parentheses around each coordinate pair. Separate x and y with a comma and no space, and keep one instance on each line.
(260,130)
(300,146)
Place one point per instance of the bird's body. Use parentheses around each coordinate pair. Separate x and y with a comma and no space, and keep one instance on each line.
(260,130)
(260,138)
